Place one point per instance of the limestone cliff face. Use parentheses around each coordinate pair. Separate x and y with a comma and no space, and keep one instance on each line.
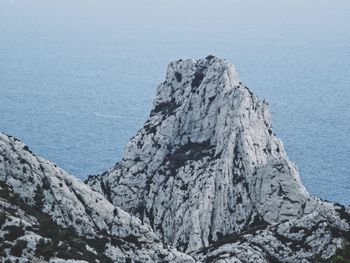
(206,163)
(315,237)
(44,189)
(205,175)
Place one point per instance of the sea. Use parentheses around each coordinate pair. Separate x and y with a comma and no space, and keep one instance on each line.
(77,78)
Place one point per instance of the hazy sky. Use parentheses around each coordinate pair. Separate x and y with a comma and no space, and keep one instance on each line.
(97,24)
(186,16)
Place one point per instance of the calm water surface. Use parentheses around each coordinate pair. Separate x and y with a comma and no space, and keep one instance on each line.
(77,78)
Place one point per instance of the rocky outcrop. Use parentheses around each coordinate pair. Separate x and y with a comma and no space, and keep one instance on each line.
(205,174)
(315,237)
(207,165)
(41,185)
(196,171)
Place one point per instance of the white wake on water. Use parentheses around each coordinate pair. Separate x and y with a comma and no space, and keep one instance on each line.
(112,116)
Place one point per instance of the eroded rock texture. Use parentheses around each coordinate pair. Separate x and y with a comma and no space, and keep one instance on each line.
(207,165)
(205,174)
(41,188)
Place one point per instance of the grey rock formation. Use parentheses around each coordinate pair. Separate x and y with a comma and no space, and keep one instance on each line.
(207,165)
(313,238)
(196,171)
(205,174)
(71,203)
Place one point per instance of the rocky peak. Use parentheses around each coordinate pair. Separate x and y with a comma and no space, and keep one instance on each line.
(195,98)
(205,173)
(206,163)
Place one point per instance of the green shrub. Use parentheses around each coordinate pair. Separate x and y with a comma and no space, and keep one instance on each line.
(105,259)
(2,251)
(45,249)
(98,243)
(2,218)
(14,232)
(17,249)
(39,197)
(4,194)
(343,254)
(46,227)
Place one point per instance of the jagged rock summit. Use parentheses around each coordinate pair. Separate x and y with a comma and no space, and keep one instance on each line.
(196,170)
(207,164)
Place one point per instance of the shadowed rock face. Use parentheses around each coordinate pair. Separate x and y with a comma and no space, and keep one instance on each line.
(206,163)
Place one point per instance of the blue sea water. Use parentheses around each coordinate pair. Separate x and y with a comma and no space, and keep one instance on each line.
(77,78)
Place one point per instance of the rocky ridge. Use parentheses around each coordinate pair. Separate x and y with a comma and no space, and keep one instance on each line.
(205,175)
(207,165)
(41,188)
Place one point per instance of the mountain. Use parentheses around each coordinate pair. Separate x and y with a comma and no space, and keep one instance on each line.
(47,214)
(204,180)
(207,167)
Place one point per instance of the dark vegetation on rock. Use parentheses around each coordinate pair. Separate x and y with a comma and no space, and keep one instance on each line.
(56,240)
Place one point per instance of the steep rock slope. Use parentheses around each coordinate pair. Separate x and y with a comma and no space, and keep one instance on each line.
(29,235)
(316,237)
(40,184)
(207,164)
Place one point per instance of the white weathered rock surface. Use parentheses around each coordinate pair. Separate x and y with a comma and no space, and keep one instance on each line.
(207,164)
(206,174)
(196,170)
(71,203)
(317,234)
